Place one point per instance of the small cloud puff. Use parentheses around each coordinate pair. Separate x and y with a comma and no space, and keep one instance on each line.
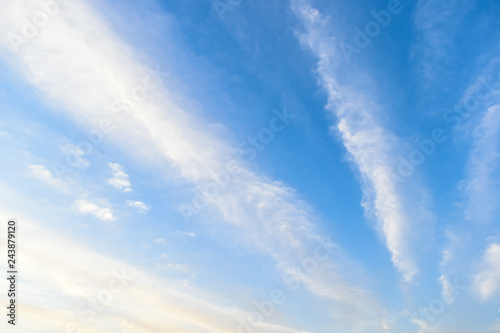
(141,206)
(87,207)
(120,178)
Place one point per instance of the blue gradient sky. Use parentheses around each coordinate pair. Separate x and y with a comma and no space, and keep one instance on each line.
(410,251)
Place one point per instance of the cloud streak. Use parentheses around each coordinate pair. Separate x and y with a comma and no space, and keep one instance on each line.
(483,183)
(42,173)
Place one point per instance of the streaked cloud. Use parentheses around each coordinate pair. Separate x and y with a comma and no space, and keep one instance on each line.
(483,183)
(371,147)
(487,280)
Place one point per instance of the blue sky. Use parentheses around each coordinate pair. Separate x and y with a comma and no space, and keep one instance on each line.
(285,166)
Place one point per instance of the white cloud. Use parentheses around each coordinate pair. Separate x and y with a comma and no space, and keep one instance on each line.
(83,76)
(371,147)
(482,184)
(141,206)
(42,173)
(436,24)
(487,280)
(159,240)
(446,287)
(120,179)
(87,207)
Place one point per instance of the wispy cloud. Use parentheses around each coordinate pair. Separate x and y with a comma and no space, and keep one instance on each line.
(42,173)
(483,181)
(107,296)
(437,23)
(86,207)
(487,280)
(371,147)
(74,156)
(141,206)
(480,128)
(120,179)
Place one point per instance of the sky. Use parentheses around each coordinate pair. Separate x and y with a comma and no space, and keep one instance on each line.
(242,166)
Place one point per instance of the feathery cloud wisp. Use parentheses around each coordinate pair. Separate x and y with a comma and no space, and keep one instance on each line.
(42,173)
(483,183)
(487,280)
(372,148)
